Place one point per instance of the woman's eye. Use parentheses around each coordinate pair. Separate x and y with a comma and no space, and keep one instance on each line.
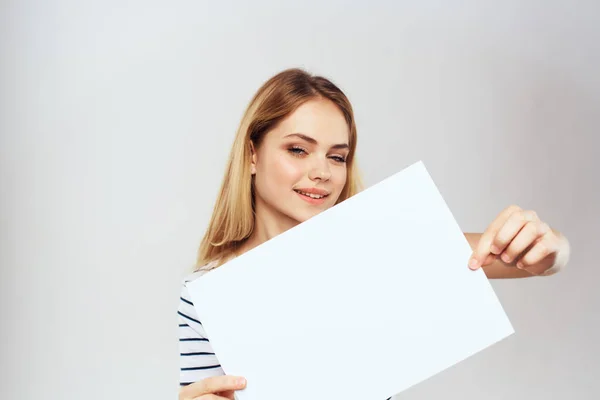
(299,151)
(339,159)
(296,151)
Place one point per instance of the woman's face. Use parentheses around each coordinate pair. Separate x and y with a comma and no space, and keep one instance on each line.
(300,166)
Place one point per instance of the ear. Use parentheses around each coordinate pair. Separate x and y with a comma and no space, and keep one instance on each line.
(253,158)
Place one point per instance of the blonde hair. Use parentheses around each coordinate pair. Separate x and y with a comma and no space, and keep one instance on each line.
(232,220)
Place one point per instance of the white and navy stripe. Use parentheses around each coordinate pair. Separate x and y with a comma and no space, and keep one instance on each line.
(197,359)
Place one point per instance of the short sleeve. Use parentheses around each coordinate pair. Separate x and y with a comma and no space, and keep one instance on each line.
(197,359)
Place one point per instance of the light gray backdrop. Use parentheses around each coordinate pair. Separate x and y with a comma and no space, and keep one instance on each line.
(116,120)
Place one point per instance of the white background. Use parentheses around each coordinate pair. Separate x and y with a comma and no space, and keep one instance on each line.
(116,119)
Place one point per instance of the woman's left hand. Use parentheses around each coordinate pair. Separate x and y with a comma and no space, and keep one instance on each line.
(519,238)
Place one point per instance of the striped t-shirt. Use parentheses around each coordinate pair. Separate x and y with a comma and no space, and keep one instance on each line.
(197,359)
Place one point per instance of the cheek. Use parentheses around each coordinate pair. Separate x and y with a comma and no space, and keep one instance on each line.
(281,172)
(339,177)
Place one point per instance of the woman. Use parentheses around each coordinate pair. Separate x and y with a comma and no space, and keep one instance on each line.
(292,158)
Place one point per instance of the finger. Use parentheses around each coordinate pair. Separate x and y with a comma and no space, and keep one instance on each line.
(510,229)
(214,384)
(520,243)
(222,383)
(483,246)
(490,259)
(539,258)
(229,394)
(210,397)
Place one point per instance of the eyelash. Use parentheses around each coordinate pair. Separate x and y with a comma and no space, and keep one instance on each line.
(295,151)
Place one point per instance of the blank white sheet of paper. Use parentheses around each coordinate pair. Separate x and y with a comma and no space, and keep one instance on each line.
(360,302)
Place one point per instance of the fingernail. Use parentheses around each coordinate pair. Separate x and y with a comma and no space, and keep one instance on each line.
(241,381)
(520,265)
(495,249)
(505,258)
(473,263)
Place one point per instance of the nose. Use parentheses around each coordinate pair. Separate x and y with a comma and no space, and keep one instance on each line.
(320,172)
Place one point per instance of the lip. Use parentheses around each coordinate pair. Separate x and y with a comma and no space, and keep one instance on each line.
(310,200)
(318,191)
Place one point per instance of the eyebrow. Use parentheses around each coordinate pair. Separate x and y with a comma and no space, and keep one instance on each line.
(313,141)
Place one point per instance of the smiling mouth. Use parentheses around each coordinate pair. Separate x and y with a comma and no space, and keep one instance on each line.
(312,195)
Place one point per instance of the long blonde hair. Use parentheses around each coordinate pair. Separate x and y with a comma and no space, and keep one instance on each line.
(232,220)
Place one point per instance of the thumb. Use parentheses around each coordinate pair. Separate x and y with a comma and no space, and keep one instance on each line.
(481,254)
(489,259)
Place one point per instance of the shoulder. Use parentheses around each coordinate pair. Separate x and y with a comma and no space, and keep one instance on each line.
(192,277)
(188,318)
(198,272)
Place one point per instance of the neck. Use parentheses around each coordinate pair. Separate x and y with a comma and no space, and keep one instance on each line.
(268,223)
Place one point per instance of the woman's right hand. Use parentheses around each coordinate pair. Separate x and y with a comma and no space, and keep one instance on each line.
(213,388)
